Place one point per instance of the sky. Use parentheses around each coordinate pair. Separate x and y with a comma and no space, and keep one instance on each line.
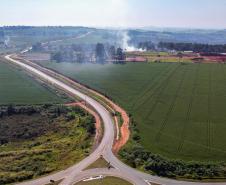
(209,14)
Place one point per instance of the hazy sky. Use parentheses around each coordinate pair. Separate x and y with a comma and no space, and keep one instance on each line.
(126,13)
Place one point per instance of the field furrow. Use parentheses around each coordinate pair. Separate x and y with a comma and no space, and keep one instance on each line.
(172,105)
(150,86)
(209,121)
(189,109)
(158,93)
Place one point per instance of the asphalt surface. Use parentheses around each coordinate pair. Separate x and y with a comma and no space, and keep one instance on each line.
(76,173)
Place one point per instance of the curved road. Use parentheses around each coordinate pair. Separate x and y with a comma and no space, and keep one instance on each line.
(76,173)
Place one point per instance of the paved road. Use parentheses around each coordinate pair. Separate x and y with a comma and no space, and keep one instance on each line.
(60,40)
(76,173)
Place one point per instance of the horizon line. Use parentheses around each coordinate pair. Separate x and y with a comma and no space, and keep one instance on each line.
(118,27)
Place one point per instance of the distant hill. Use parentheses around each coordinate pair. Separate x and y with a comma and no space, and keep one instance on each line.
(27,35)
(191,36)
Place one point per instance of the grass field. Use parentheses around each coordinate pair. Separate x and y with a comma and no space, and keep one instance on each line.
(99,163)
(16,87)
(105,181)
(179,109)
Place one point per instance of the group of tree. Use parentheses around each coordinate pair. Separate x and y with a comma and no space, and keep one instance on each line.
(68,56)
(116,54)
(72,54)
(57,57)
(111,53)
(37,47)
(195,47)
(100,53)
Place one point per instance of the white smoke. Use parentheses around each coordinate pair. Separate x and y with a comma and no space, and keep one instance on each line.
(125,43)
(122,18)
(7,41)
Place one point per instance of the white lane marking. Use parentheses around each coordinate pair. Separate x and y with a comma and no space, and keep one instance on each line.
(93,178)
(147,181)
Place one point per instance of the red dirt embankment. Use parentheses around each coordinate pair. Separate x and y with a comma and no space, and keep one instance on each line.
(125,131)
(97,119)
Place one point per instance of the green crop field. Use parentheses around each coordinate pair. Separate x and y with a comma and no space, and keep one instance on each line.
(16,87)
(179,109)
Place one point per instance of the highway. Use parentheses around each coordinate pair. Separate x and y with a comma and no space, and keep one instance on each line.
(76,173)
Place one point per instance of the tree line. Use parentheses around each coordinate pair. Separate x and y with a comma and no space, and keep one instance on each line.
(99,53)
(195,47)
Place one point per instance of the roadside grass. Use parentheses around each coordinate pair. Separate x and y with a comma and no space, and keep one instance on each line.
(19,88)
(99,163)
(105,181)
(179,109)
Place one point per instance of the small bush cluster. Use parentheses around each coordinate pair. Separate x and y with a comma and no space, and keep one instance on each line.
(37,140)
(28,122)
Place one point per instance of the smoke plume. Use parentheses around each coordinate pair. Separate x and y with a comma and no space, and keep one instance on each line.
(126,43)
(7,41)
